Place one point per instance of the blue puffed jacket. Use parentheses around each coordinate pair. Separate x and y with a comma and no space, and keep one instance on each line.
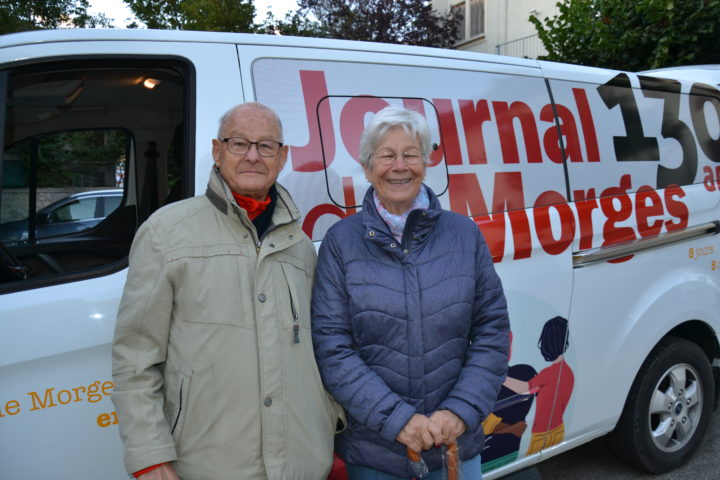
(405,328)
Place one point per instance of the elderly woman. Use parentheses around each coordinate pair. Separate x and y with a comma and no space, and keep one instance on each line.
(410,323)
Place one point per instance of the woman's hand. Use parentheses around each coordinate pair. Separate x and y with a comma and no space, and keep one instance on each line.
(451,426)
(163,472)
(420,433)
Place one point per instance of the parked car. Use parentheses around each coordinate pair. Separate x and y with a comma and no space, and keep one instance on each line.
(74,213)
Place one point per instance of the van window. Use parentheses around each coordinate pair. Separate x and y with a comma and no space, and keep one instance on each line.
(437,173)
(91,148)
(61,183)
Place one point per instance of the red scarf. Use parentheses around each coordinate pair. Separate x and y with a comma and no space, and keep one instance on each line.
(252,207)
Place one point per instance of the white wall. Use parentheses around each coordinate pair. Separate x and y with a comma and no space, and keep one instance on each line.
(505,21)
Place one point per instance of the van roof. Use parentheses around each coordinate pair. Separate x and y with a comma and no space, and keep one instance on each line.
(709,74)
(149,35)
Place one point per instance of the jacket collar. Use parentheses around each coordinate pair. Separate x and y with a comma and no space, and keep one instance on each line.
(375,227)
(220,195)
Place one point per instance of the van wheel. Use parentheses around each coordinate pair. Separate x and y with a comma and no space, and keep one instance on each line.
(668,409)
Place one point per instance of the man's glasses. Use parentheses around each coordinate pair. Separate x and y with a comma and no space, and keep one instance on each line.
(241,146)
(412,156)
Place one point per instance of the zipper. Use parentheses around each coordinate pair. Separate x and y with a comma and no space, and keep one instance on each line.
(409,226)
(296,320)
(251,228)
(180,409)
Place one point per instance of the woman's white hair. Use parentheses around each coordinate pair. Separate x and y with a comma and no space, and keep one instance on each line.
(385,120)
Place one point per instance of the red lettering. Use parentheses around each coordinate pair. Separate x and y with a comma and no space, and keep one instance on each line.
(449,143)
(648,204)
(587,124)
(505,116)
(318,211)
(473,117)
(709,181)
(352,120)
(617,207)
(309,158)
(508,196)
(568,129)
(585,204)
(418,105)
(312,217)
(676,208)
(551,141)
(466,198)
(543,222)
(349,194)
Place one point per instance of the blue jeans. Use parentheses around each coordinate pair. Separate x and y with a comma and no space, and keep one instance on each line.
(470,469)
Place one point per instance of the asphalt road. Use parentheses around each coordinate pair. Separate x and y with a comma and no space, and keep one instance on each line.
(593,461)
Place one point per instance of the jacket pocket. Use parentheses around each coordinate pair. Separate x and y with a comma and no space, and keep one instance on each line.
(177,403)
(212,284)
(298,286)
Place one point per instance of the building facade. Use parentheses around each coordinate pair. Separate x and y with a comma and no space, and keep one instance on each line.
(500,26)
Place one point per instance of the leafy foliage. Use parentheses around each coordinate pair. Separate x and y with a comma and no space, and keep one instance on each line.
(633,36)
(409,22)
(210,15)
(80,158)
(18,16)
(296,24)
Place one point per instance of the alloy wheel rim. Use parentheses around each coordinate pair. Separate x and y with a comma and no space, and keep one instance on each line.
(675,408)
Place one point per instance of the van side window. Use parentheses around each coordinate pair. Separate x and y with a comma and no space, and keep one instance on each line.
(91,149)
(71,176)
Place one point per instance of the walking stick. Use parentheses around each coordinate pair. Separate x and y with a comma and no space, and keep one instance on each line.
(452,461)
(417,464)
(420,469)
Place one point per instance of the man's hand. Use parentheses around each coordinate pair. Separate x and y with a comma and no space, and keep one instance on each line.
(163,472)
(420,433)
(451,426)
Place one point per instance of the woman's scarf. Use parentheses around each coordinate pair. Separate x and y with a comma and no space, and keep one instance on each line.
(396,223)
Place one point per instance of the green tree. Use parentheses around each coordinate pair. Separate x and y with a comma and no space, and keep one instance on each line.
(296,24)
(81,158)
(18,16)
(210,15)
(633,36)
(409,22)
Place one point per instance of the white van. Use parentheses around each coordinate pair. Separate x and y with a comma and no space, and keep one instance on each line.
(598,192)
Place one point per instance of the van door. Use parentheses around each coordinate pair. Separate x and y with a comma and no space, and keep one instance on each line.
(89,152)
(644,191)
(499,158)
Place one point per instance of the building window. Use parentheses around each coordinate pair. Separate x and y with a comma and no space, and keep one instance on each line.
(472,19)
(477,17)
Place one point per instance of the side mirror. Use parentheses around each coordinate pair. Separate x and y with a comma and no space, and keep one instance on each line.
(43,219)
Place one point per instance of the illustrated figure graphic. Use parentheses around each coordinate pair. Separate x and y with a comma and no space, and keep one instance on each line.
(553,386)
(505,426)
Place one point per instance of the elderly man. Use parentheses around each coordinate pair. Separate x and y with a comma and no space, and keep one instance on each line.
(213,364)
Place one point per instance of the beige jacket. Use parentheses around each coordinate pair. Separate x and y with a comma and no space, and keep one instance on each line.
(206,366)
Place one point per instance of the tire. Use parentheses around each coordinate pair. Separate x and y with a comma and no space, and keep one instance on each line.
(668,409)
